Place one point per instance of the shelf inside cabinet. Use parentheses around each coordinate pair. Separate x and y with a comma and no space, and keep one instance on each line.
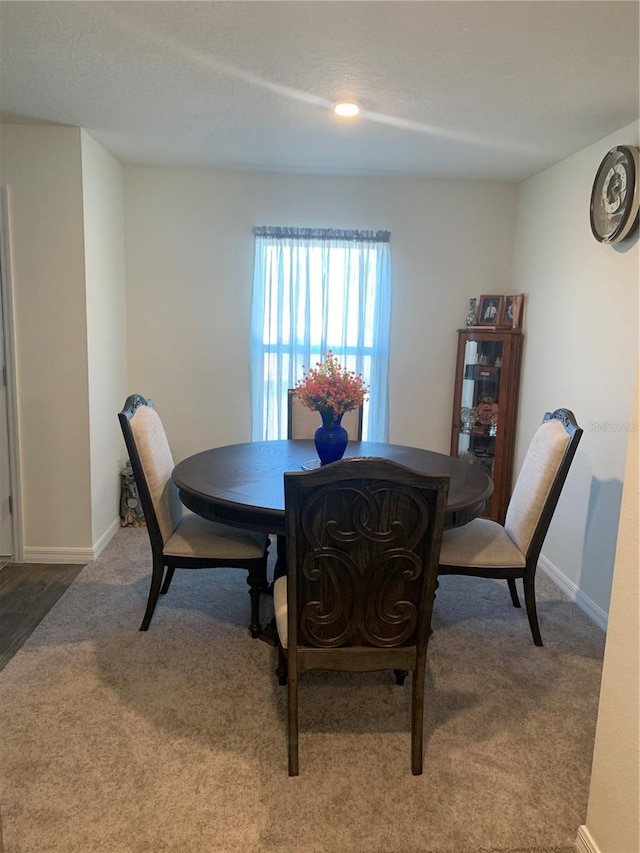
(481,430)
(481,371)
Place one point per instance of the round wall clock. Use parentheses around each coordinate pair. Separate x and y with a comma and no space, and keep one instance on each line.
(615,195)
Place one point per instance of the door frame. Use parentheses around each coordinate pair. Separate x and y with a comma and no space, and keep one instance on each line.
(8,328)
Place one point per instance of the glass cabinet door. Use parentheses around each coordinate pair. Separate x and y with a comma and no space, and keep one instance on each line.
(480,403)
(485,403)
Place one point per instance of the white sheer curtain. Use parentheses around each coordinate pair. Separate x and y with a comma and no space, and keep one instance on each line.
(316,290)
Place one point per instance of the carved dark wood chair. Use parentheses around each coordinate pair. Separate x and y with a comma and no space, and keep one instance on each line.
(303,422)
(363,538)
(486,549)
(179,538)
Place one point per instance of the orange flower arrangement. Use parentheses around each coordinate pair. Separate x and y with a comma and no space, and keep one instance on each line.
(329,387)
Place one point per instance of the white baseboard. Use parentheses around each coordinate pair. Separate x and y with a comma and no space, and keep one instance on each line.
(585,842)
(72,555)
(58,555)
(106,537)
(595,613)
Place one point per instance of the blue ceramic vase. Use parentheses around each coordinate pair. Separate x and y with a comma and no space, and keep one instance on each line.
(331,438)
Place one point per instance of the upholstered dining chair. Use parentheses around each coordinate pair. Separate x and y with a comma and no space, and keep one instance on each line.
(363,538)
(179,538)
(486,549)
(303,422)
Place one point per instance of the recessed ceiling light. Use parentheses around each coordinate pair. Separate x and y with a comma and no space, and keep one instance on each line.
(346,109)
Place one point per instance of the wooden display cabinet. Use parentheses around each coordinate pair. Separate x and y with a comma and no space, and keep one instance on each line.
(485,405)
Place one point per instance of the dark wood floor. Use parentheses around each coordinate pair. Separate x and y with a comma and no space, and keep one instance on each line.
(27,592)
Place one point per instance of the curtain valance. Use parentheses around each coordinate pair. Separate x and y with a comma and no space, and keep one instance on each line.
(355,236)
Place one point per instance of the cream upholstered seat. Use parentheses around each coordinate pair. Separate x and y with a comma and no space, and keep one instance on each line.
(303,422)
(484,548)
(363,537)
(179,538)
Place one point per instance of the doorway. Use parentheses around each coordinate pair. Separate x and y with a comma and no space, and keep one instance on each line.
(8,436)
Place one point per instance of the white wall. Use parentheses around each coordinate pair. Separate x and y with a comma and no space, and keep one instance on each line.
(103,199)
(581,350)
(41,168)
(189,265)
(613,819)
(67,252)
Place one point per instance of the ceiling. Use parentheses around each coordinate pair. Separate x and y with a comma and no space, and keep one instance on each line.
(449,88)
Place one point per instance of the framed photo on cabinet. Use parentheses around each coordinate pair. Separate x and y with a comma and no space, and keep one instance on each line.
(511,315)
(490,310)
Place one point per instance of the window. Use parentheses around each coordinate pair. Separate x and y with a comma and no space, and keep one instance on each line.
(316,290)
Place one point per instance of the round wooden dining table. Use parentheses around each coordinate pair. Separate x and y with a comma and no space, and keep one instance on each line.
(243,484)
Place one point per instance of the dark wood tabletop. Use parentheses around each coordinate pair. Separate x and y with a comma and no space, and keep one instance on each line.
(243,485)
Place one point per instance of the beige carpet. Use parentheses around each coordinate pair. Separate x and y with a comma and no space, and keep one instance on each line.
(116,741)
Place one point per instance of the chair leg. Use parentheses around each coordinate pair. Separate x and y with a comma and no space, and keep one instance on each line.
(293,722)
(167,580)
(417,717)
(258,584)
(514,592)
(530,604)
(281,669)
(400,675)
(154,592)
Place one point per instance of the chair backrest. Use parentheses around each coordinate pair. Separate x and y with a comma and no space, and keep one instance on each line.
(152,465)
(364,536)
(540,480)
(303,422)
